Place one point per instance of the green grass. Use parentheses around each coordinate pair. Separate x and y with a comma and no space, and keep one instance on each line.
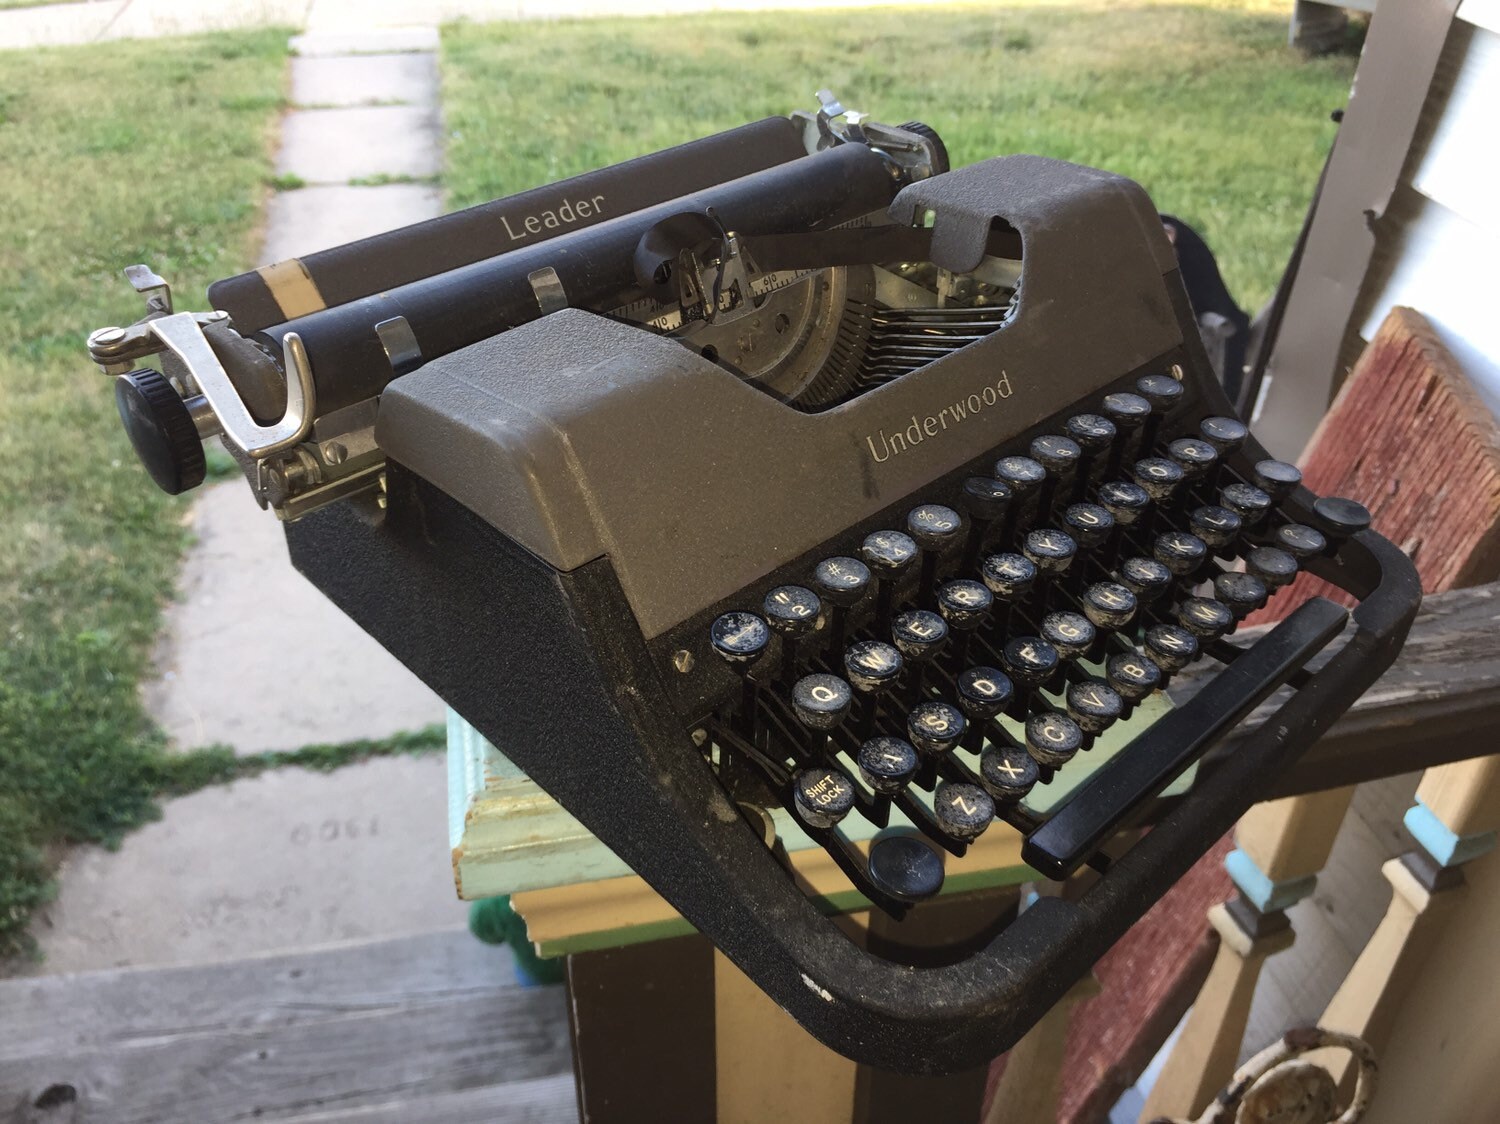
(1205,105)
(120,153)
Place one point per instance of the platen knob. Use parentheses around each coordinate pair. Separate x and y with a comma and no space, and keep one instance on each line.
(161,430)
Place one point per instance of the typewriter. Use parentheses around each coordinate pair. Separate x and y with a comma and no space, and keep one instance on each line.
(791,468)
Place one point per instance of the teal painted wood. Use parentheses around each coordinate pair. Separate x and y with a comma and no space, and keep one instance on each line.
(509,836)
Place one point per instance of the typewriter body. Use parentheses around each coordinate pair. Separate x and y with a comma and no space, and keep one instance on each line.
(850,484)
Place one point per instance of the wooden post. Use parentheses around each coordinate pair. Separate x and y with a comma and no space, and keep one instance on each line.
(1029,1087)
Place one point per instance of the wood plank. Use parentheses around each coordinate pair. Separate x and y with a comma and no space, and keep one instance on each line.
(539,1100)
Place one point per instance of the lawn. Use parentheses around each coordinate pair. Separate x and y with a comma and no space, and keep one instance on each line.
(1205,105)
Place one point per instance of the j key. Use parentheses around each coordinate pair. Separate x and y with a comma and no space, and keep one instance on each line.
(1273,566)
(1128,413)
(887,764)
(842,583)
(936,530)
(1300,542)
(1224,434)
(1109,605)
(1215,525)
(740,639)
(1147,578)
(985,500)
(1089,524)
(888,554)
(1053,739)
(793,612)
(1170,647)
(1242,593)
(963,810)
(935,727)
(1158,477)
(1093,706)
(1180,552)
(1247,501)
(1051,551)
(1276,478)
(1059,456)
(1007,773)
(1205,618)
(1132,676)
(871,665)
(983,692)
(919,634)
(822,796)
(1071,634)
(821,701)
(1193,455)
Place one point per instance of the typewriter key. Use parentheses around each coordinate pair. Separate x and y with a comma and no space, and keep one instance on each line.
(1070,633)
(1128,412)
(1170,647)
(1205,618)
(1059,456)
(919,634)
(823,796)
(1157,477)
(983,692)
(1193,455)
(1009,576)
(1093,706)
(933,526)
(1162,391)
(871,665)
(1029,660)
(1049,550)
(821,701)
(1271,565)
(1276,478)
(888,554)
(964,603)
(935,727)
(1147,578)
(963,810)
(1007,773)
(1341,518)
(1053,739)
(1247,501)
(1132,676)
(1109,605)
(1224,434)
(1125,502)
(792,611)
(739,638)
(984,499)
(1300,542)
(1088,523)
(905,868)
(1091,432)
(1023,476)
(1215,525)
(1180,552)
(842,583)
(887,764)
(1242,593)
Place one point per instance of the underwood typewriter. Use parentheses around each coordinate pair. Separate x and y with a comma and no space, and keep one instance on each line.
(792,469)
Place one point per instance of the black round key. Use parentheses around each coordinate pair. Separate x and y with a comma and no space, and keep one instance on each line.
(935,727)
(739,637)
(1215,525)
(1008,773)
(919,634)
(1132,675)
(1341,517)
(1162,391)
(933,526)
(905,868)
(1051,551)
(1093,705)
(962,810)
(888,553)
(1091,432)
(1021,474)
(1147,578)
(887,764)
(1170,647)
(1053,739)
(1243,593)
(1126,502)
(1109,605)
(1300,542)
(792,610)
(1247,501)
(1088,523)
(1127,411)
(1054,453)
(1224,434)
(1070,633)
(985,497)
(1193,455)
(871,665)
(1158,477)
(983,692)
(1276,478)
(1179,551)
(1271,565)
(1009,576)
(964,602)
(841,581)
(821,701)
(1029,660)
(822,796)
(1205,618)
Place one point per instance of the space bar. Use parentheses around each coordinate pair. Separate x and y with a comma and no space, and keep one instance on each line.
(1156,758)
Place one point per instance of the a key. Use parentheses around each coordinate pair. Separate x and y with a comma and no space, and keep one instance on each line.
(1030,662)
(1339,518)
(888,554)
(1273,566)
(1128,412)
(1070,633)
(1242,593)
(1053,739)
(1299,541)
(1131,676)
(793,612)
(905,868)
(871,666)
(936,530)
(1089,524)
(983,692)
(1224,434)
(1276,478)
(1051,551)
(1127,504)
(919,634)
(964,604)
(1163,392)
(1170,647)
(1093,706)
(984,500)
(821,702)
(740,639)
(1007,773)
(935,727)
(1059,456)
(1147,578)
(822,796)
(1217,526)
(963,810)
(1023,476)
(1247,501)
(1109,605)
(1195,456)
(1094,434)
(1158,477)
(1205,618)
(842,583)
(887,764)
(1180,552)
(1011,578)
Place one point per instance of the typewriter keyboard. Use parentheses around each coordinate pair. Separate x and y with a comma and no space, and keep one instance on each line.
(952,662)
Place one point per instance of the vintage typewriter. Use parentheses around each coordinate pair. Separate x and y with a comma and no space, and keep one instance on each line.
(790,468)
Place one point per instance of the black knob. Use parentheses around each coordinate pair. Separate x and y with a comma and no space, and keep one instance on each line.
(964,603)
(1127,411)
(871,665)
(1088,523)
(1008,576)
(935,727)
(1170,647)
(161,430)
(1008,773)
(1071,634)
(1179,551)
(1125,502)
(933,526)
(983,692)
(1049,550)
(739,638)
(1205,618)
(1271,565)
(1158,477)
(1242,593)
(792,610)
(963,810)
(1054,453)
(1277,478)
(1029,660)
(1301,542)
(1021,474)
(1093,705)
(985,497)
(1224,434)
(1215,525)
(1162,391)
(1247,501)
(1109,604)
(1092,432)
(821,701)
(905,868)
(888,553)
(823,796)
(1193,455)
(1053,739)
(1147,578)
(887,764)
(1132,675)
(918,634)
(1341,517)
(841,581)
